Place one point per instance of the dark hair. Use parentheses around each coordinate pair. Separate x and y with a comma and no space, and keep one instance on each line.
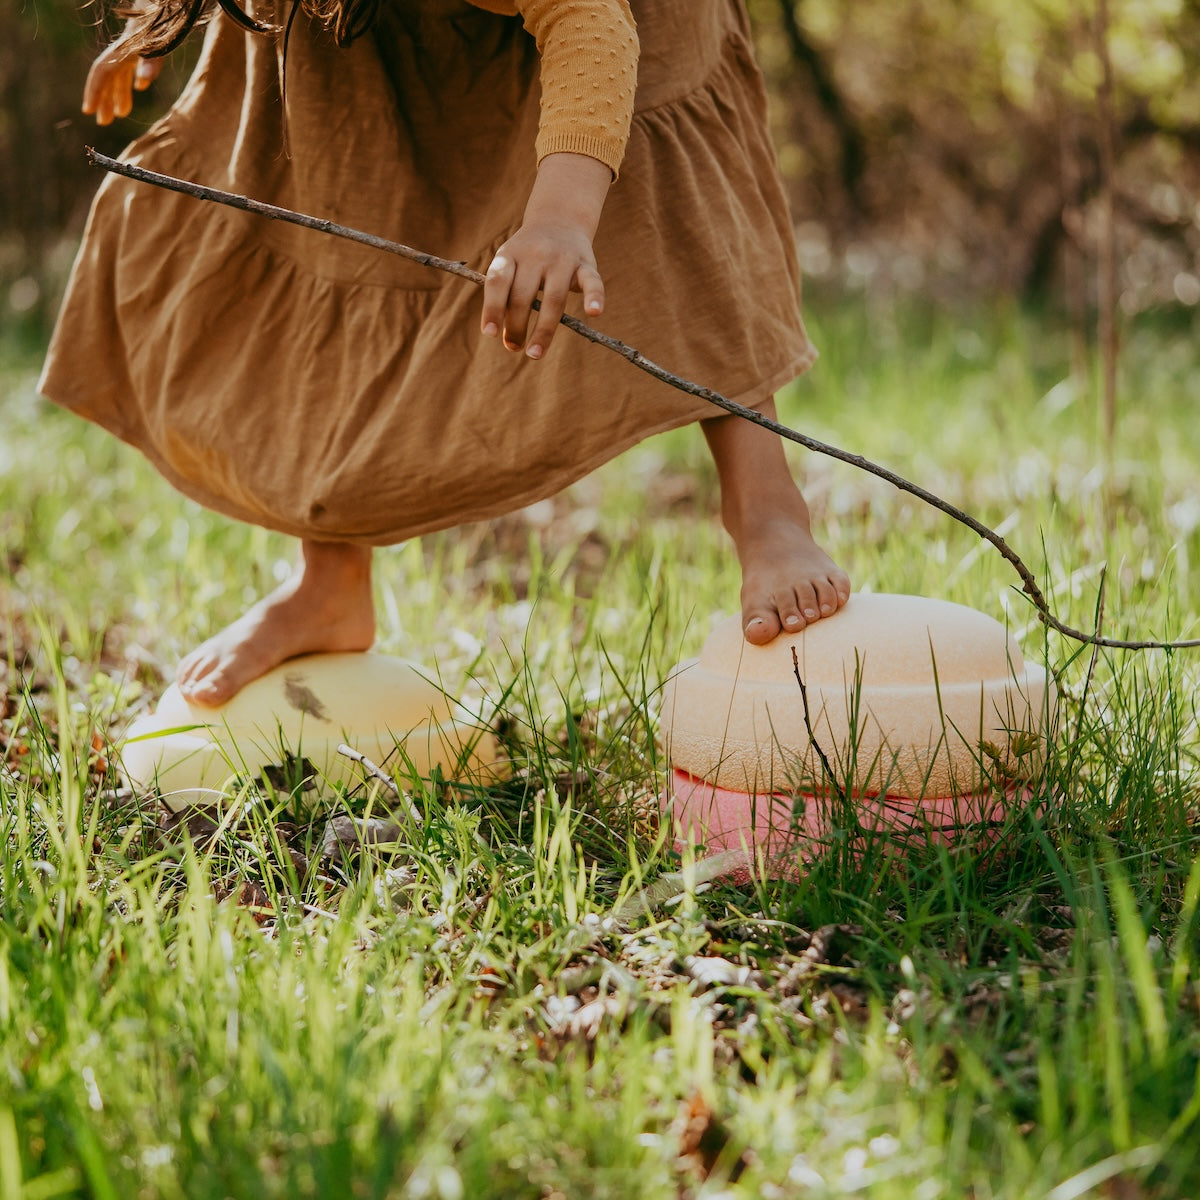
(345,19)
(161,28)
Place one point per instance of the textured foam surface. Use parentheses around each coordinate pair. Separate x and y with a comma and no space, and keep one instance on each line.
(907,696)
(306,708)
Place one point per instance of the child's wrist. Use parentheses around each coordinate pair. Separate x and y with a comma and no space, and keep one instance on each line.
(569,189)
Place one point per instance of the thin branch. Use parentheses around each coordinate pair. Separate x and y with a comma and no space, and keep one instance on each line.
(674,884)
(377,772)
(830,777)
(1029,583)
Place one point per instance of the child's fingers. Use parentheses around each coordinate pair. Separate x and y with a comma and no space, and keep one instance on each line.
(104,104)
(526,284)
(554,301)
(146,72)
(96,85)
(108,92)
(122,89)
(93,87)
(588,281)
(496,287)
(115,101)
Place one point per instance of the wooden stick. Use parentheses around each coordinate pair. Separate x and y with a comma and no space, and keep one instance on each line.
(830,777)
(378,773)
(1029,583)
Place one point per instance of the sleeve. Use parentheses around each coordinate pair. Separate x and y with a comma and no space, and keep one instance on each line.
(589,51)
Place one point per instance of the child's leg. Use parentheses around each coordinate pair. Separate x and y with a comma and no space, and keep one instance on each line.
(326,605)
(788,581)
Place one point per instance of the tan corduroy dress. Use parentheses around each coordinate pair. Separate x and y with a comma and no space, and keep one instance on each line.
(320,388)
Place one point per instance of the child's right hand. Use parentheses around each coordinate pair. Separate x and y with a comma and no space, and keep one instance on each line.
(114,76)
(550,255)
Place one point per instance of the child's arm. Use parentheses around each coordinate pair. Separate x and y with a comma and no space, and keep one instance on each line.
(589,52)
(114,75)
(551,253)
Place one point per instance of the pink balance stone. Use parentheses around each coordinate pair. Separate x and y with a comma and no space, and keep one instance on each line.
(924,711)
(782,830)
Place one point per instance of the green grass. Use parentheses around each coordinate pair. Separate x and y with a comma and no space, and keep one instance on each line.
(211,1010)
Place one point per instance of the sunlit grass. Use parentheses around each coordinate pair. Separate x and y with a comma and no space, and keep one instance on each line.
(213,1009)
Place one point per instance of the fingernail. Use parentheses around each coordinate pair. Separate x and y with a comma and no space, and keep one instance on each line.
(490,329)
(534,352)
(594,306)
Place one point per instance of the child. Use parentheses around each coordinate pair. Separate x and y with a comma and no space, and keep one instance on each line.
(345,396)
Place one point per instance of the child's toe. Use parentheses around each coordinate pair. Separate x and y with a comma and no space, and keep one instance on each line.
(791,615)
(760,625)
(809,604)
(191,669)
(827,597)
(212,687)
(199,677)
(841,585)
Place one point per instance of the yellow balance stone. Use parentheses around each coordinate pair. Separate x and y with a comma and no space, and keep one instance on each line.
(307,707)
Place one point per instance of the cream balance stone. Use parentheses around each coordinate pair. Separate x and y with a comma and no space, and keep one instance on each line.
(307,707)
(907,696)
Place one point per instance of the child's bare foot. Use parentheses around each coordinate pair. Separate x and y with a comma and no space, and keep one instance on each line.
(788,581)
(325,606)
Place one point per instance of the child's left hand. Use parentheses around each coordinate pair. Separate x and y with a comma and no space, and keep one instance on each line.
(115,75)
(551,255)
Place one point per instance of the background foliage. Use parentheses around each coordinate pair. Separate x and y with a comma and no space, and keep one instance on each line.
(964,136)
(929,145)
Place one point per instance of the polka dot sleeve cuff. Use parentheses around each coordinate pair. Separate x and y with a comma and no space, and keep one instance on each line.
(589,52)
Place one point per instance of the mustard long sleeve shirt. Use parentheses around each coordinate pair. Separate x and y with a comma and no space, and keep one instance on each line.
(589,52)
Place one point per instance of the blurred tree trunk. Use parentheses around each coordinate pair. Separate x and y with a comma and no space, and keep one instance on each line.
(852,144)
(46,185)
(1107,289)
